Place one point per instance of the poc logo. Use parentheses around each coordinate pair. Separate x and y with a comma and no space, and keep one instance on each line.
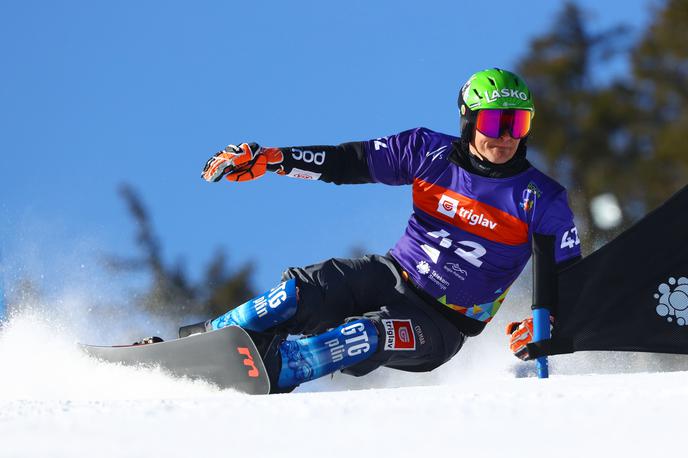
(308,156)
(248,361)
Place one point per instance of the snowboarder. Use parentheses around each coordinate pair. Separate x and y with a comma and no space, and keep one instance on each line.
(477,202)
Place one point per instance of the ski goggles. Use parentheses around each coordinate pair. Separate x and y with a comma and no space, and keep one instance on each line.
(493,122)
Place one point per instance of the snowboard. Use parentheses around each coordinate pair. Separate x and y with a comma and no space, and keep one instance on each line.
(226,357)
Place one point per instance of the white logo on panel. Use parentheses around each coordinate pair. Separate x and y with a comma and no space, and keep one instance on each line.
(673,300)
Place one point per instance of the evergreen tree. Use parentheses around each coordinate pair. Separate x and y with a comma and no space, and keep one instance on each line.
(171,293)
(602,132)
(581,126)
(660,69)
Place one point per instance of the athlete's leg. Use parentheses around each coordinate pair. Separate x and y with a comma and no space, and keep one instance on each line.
(401,336)
(310,299)
(334,290)
(393,328)
(401,332)
(259,314)
(413,338)
(312,357)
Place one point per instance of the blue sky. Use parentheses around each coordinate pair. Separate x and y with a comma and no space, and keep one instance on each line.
(94,94)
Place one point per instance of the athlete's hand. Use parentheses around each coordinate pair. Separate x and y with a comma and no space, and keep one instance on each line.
(521,334)
(247,161)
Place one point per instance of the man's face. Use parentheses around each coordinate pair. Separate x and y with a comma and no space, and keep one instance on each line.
(496,150)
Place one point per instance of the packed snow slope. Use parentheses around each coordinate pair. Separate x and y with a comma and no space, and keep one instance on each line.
(57,402)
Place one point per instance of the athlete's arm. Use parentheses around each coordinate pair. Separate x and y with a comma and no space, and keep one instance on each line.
(393,160)
(389,160)
(556,246)
(545,294)
(340,164)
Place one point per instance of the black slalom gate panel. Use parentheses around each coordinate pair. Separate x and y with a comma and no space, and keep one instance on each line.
(630,295)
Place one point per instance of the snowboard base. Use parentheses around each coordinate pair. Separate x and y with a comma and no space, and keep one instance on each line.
(227,358)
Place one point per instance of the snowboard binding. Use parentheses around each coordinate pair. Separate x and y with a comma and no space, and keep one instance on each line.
(148,340)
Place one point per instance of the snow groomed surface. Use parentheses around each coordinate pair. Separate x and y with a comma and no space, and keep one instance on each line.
(56,402)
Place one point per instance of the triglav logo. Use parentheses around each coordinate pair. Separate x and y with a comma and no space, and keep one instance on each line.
(476,219)
(448,206)
(673,300)
(399,335)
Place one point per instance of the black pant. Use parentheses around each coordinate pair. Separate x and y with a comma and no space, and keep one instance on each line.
(412,336)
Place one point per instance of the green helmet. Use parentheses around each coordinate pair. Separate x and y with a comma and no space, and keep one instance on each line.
(492,89)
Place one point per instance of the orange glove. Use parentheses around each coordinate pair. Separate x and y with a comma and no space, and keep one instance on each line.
(247,161)
(521,333)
